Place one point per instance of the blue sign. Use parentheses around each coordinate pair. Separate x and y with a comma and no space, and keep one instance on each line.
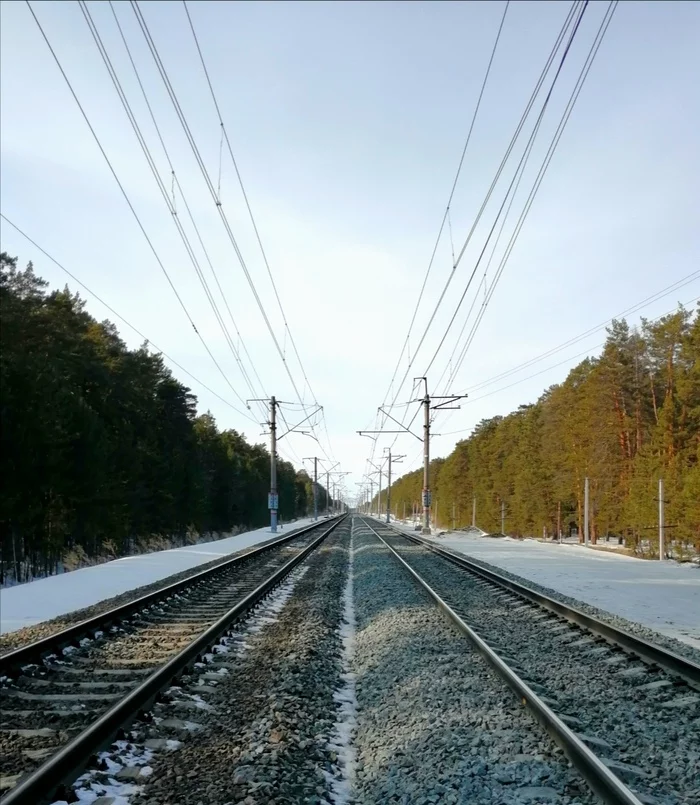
(273,501)
(427,498)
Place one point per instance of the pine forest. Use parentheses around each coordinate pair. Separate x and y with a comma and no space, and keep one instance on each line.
(623,420)
(103,452)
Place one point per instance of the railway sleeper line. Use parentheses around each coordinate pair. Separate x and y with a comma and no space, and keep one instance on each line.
(658,708)
(82,687)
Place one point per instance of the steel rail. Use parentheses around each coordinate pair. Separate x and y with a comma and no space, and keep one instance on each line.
(12,660)
(643,649)
(601,780)
(65,765)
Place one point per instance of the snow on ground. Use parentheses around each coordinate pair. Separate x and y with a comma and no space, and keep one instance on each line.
(43,599)
(664,596)
(341,741)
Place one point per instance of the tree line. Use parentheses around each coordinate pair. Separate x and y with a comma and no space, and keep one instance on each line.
(103,452)
(623,420)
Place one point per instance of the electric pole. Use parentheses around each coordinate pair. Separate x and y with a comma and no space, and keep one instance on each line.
(273,496)
(315,489)
(273,502)
(396,460)
(330,472)
(585,511)
(474,512)
(315,460)
(503,516)
(426,401)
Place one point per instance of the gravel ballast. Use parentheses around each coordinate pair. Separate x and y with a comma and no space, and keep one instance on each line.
(266,725)
(637,629)
(645,724)
(434,724)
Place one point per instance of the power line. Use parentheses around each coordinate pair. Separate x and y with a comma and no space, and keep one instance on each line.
(195,150)
(540,176)
(547,160)
(126,197)
(124,320)
(506,156)
(576,8)
(445,216)
(245,196)
(517,176)
(633,309)
(161,186)
(250,213)
(189,212)
(556,365)
(442,226)
(521,167)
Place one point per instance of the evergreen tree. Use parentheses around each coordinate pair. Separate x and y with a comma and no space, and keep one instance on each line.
(103,450)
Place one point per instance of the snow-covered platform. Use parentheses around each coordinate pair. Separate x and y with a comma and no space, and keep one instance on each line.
(43,599)
(664,596)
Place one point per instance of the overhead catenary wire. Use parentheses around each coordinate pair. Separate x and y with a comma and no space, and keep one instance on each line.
(164,193)
(205,173)
(547,159)
(225,137)
(573,20)
(445,216)
(521,167)
(176,181)
(577,4)
(121,318)
(127,199)
(540,176)
(454,367)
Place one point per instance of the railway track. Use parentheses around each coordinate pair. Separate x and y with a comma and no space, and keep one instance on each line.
(65,697)
(625,712)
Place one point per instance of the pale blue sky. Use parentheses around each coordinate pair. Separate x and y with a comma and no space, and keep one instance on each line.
(347,121)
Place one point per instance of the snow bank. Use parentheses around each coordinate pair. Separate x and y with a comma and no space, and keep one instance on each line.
(41,600)
(664,596)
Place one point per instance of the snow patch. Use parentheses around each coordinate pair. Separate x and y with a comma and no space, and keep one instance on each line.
(43,599)
(95,784)
(270,609)
(341,740)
